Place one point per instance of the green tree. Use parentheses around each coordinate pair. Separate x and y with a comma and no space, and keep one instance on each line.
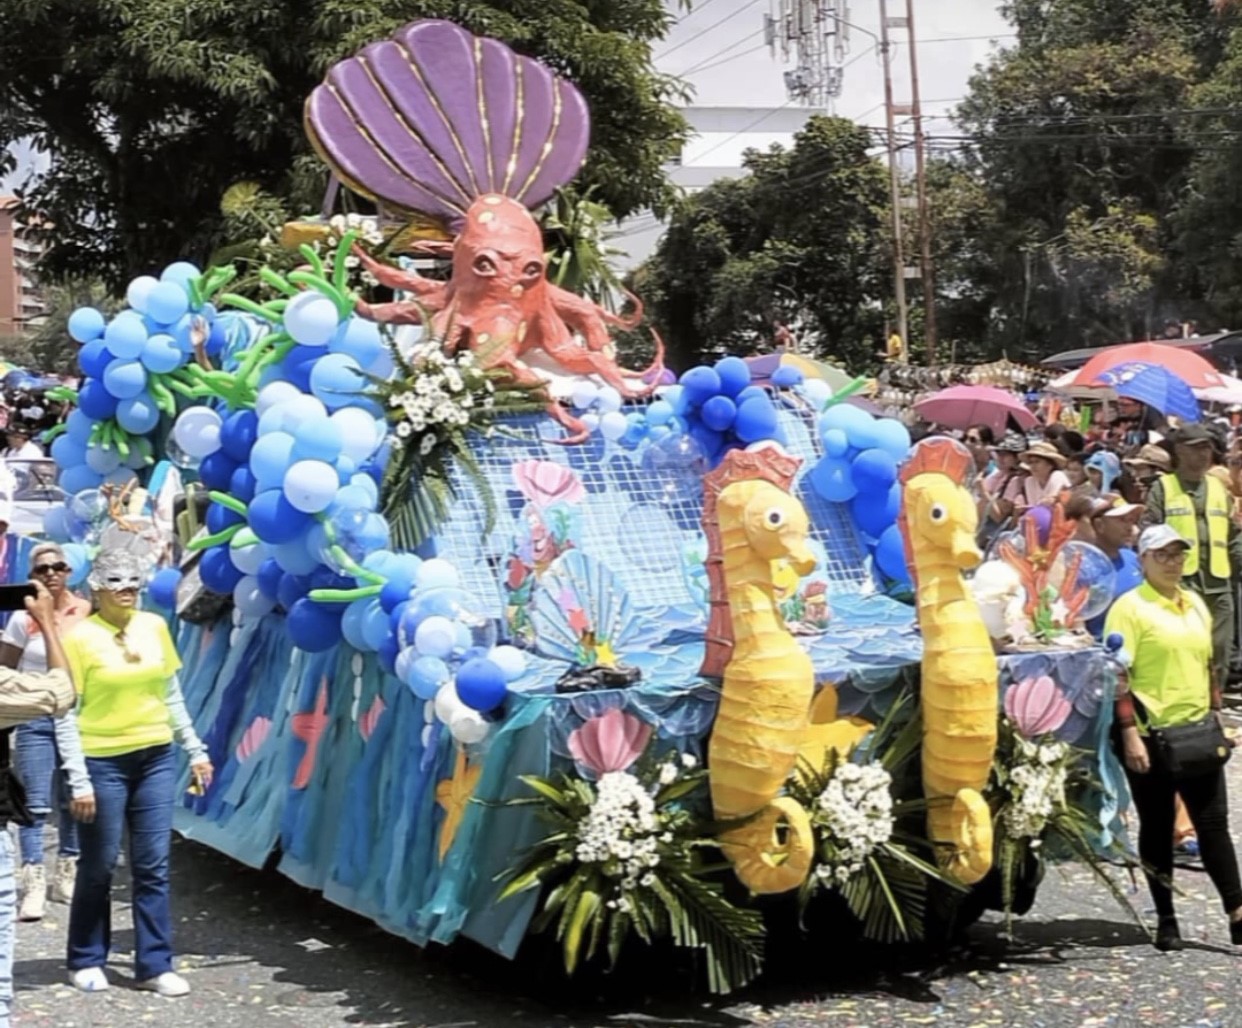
(799,242)
(149,110)
(46,347)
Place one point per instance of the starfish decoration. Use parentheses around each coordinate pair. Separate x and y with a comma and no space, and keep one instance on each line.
(578,620)
(308,726)
(453,794)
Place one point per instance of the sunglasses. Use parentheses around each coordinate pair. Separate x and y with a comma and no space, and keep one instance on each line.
(59,568)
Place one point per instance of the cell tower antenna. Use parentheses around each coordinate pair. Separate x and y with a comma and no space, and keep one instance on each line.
(813,35)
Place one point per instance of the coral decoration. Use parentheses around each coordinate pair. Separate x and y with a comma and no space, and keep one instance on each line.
(545,482)
(610,742)
(1036,706)
(368,721)
(1052,607)
(938,523)
(436,121)
(252,739)
(309,727)
(453,795)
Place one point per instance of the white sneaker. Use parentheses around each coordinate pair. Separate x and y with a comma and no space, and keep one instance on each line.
(34,893)
(62,881)
(89,979)
(167,984)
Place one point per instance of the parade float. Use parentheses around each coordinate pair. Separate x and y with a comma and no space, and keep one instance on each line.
(487,632)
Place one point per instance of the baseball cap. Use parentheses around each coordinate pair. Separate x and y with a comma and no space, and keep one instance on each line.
(1157,537)
(1193,433)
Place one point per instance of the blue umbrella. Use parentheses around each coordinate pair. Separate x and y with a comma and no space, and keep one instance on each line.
(1155,386)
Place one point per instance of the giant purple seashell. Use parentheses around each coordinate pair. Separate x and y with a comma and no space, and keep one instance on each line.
(610,742)
(434,118)
(1036,706)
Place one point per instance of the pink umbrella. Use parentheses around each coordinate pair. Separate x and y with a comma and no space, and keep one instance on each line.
(966,405)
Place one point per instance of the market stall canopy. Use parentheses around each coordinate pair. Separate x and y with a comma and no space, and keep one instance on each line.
(1197,372)
(963,406)
(1155,386)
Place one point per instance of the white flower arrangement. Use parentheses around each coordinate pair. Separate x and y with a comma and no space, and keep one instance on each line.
(440,400)
(855,815)
(622,829)
(1036,786)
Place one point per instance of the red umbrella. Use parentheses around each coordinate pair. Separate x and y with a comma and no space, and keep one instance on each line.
(1196,371)
(966,405)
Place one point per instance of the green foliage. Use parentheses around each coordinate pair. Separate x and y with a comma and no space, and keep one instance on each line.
(799,242)
(150,110)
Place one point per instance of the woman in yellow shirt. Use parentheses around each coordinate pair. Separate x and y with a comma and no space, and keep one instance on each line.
(130,708)
(1167,631)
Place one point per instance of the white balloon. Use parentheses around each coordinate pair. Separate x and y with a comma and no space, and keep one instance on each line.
(448,703)
(612,426)
(197,431)
(609,400)
(427,735)
(274,393)
(248,559)
(510,660)
(469,728)
(359,438)
(584,394)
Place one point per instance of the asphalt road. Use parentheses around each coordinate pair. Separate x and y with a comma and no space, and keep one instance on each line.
(259,951)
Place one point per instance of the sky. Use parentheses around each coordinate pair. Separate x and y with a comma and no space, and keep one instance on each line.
(718,47)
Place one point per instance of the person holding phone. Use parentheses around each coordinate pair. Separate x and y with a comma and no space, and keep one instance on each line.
(125,665)
(46,746)
(42,608)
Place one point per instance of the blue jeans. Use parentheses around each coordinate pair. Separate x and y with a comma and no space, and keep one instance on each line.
(37,763)
(134,791)
(8,938)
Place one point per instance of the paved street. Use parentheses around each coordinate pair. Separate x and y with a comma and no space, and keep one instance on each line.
(262,951)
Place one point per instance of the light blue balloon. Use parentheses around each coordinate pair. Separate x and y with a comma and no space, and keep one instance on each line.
(125,378)
(375,628)
(121,477)
(126,335)
(180,273)
(138,415)
(360,339)
(57,524)
(293,558)
(374,534)
(893,438)
(426,675)
(78,427)
(435,637)
(317,439)
(437,573)
(161,355)
(352,622)
(139,290)
(73,480)
(85,324)
(166,303)
(831,478)
(78,557)
(68,451)
(311,319)
(359,434)
(270,459)
(382,367)
(844,416)
(367,484)
(102,461)
(337,380)
(659,413)
(836,442)
(352,497)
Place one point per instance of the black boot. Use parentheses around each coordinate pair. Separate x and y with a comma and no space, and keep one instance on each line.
(1169,935)
(1235,932)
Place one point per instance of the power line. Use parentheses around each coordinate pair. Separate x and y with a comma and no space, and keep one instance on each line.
(727,60)
(713,26)
(696,9)
(742,131)
(723,50)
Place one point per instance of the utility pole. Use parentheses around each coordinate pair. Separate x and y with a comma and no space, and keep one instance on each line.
(894,180)
(920,164)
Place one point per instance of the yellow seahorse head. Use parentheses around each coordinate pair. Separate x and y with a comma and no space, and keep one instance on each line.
(775,523)
(941,520)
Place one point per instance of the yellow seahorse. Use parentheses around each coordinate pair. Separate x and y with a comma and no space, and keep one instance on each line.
(959,682)
(750,520)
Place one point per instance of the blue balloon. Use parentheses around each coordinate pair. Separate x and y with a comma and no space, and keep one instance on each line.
(873,512)
(67,451)
(294,558)
(138,415)
(756,420)
(161,355)
(297,366)
(352,620)
(78,427)
(180,272)
(846,417)
(124,378)
(93,358)
(217,339)
(481,685)
(238,434)
(395,592)
(270,459)
(73,480)
(167,302)
(220,517)
(387,655)
(290,589)
(786,377)
(659,413)
(893,438)
(832,480)
(163,588)
(275,520)
(426,675)
(269,576)
(718,413)
(85,324)
(218,572)
(95,401)
(216,472)
(890,555)
(734,375)
(359,339)
(866,435)
(243,485)
(836,442)
(313,627)
(873,471)
(126,335)
(375,627)
(749,393)
(319,439)
(102,461)
(337,380)
(311,319)
(700,384)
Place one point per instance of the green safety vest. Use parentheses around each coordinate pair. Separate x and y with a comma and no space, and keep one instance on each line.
(1179,514)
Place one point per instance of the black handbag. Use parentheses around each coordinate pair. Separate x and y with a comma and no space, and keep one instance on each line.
(1193,750)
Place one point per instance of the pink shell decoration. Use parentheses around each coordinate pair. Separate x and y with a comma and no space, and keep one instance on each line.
(545,482)
(368,721)
(252,739)
(610,742)
(1036,706)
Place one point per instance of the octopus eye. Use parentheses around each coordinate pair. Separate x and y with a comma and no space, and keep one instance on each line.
(938,514)
(774,517)
(484,265)
(533,270)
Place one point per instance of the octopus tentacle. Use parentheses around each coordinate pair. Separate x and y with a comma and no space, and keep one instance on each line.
(427,290)
(522,375)
(587,318)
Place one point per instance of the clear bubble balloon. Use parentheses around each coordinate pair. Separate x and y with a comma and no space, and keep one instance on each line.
(1090,570)
(674,467)
(455,609)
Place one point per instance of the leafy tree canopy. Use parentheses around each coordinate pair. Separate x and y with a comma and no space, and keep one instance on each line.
(149,110)
(798,242)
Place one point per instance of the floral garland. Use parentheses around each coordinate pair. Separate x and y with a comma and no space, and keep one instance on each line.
(434,402)
(624,856)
